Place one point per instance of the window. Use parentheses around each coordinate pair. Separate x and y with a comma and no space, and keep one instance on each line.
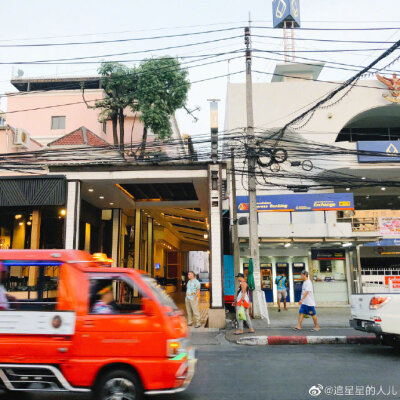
(114,296)
(105,127)
(29,287)
(58,122)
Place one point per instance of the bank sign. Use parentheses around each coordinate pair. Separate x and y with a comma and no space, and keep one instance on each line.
(377,151)
(299,202)
(285,10)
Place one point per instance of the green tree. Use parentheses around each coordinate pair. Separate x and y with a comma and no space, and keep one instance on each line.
(162,88)
(119,84)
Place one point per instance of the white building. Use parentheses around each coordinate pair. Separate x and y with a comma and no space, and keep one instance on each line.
(368,119)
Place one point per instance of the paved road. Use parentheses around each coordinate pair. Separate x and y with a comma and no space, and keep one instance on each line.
(228,371)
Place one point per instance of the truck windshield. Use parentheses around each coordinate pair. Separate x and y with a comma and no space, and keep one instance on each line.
(159,293)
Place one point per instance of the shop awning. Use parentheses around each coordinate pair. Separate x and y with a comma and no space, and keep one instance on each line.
(37,191)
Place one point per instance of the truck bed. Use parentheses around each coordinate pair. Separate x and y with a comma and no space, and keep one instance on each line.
(376,312)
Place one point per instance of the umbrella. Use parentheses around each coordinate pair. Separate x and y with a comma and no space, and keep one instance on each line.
(250,276)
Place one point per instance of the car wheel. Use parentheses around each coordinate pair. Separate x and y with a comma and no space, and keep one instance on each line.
(119,385)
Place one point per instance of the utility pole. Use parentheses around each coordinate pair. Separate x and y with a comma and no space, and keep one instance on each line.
(258,295)
(236,250)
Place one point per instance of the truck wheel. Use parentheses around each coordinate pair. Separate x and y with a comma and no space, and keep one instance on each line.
(119,385)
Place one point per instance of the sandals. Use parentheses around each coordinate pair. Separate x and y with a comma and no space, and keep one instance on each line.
(296,329)
(238,332)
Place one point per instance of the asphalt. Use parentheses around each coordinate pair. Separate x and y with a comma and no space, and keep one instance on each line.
(226,371)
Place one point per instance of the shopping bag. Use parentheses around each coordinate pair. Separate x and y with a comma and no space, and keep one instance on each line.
(242,313)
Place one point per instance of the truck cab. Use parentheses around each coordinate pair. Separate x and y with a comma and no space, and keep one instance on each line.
(69,322)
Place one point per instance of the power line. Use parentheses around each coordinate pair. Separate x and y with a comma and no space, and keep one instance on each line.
(120,40)
(120,54)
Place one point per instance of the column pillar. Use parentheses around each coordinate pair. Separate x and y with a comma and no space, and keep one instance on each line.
(138,239)
(150,246)
(35,230)
(116,235)
(217,311)
(348,274)
(73,215)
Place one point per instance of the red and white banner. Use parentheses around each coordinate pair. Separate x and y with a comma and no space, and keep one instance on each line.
(394,280)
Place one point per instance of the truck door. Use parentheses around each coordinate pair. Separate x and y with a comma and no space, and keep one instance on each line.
(32,325)
(115,324)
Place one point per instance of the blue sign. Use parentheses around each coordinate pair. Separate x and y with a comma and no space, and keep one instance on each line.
(384,242)
(285,10)
(378,151)
(299,202)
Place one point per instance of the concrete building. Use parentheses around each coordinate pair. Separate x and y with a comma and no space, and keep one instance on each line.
(323,231)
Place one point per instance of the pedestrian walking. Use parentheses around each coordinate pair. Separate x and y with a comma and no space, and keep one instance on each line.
(281,283)
(243,299)
(307,302)
(192,300)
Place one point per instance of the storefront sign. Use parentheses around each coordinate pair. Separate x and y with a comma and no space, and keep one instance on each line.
(378,151)
(389,226)
(393,281)
(384,242)
(299,202)
(322,254)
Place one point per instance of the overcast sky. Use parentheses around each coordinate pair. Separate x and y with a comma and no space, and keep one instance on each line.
(54,21)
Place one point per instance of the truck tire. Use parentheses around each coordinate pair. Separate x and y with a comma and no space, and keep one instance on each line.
(121,383)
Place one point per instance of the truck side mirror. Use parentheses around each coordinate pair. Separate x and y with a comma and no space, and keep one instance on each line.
(149,306)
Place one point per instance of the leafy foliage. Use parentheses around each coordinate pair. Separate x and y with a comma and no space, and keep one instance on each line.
(162,88)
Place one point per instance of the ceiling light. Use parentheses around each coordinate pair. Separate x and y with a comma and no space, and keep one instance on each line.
(205,236)
(383,188)
(288,244)
(363,178)
(29,223)
(367,197)
(63,212)
(91,190)
(18,216)
(111,204)
(348,244)
(347,189)
(21,224)
(101,197)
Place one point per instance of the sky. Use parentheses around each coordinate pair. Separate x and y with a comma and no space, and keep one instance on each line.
(54,21)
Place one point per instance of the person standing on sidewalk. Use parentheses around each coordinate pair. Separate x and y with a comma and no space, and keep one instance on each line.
(243,299)
(192,300)
(307,302)
(281,283)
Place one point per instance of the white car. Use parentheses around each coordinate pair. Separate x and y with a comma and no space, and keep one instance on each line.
(377,313)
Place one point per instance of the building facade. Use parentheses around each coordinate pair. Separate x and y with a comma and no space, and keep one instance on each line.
(347,202)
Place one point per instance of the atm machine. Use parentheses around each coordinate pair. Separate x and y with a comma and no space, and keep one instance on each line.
(297,281)
(284,267)
(266,281)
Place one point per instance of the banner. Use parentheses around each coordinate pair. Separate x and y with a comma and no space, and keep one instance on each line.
(378,151)
(389,226)
(299,202)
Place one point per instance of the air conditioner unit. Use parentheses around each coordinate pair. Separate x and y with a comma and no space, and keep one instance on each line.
(22,138)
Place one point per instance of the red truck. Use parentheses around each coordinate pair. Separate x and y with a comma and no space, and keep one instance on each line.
(71,323)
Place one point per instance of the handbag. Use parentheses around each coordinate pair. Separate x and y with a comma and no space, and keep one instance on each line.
(242,313)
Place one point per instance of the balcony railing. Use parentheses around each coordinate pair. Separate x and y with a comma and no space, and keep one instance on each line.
(361,224)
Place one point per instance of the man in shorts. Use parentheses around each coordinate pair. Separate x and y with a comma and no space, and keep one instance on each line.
(307,302)
(282,292)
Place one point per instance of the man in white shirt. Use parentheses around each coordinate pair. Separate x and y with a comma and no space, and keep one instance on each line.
(307,302)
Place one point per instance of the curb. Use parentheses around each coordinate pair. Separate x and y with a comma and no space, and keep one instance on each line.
(292,340)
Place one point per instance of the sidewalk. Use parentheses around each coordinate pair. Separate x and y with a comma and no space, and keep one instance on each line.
(334,323)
